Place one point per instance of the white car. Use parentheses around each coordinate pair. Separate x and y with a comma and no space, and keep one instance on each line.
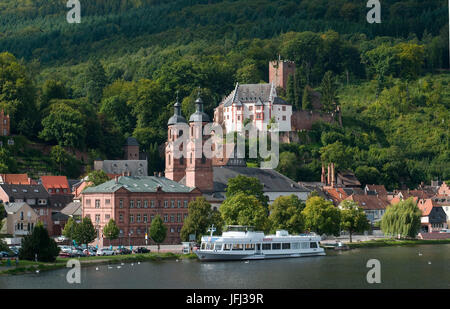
(444,231)
(62,238)
(105,251)
(65,249)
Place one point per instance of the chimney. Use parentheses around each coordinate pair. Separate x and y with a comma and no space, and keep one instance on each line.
(116,178)
(332,174)
(329,175)
(322,178)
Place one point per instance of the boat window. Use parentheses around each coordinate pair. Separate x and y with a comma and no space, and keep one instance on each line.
(209,246)
(203,246)
(266,246)
(276,246)
(286,245)
(238,247)
(295,245)
(227,247)
(218,247)
(305,245)
(250,247)
(313,245)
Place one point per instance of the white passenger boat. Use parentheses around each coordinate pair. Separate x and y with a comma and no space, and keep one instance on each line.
(241,243)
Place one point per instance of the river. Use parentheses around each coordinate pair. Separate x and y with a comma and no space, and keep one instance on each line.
(423,266)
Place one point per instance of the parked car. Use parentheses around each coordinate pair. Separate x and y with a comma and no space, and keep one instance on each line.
(65,254)
(65,249)
(141,250)
(4,254)
(444,231)
(62,238)
(105,251)
(124,250)
(89,252)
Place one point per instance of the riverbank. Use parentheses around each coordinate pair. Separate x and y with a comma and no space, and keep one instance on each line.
(24,267)
(395,242)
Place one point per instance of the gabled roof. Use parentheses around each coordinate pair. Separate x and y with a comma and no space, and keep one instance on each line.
(25,191)
(253,93)
(139,184)
(72,209)
(336,194)
(369,202)
(348,179)
(378,189)
(55,182)
(425,206)
(12,208)
(16,179)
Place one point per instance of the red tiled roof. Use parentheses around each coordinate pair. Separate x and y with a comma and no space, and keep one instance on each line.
(336,194)
(396,199)
(426,206)
(55,182)
(16,179)
(369,202)
(380,189)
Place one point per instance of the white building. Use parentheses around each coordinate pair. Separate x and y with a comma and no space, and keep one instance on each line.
(257,102)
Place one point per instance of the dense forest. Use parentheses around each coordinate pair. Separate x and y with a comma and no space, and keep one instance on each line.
(88,86)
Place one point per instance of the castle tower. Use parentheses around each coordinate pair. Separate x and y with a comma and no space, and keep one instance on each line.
(175,167)
(199,171)
(279,72)
(131,149)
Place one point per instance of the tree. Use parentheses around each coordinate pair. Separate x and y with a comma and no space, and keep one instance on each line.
(200,217)
(321,216)
(38,244)
(329,92)
(353,218)
(59,155)
(286,214)
(158,231)
(64,125)
(111,230)
(244,209)
(306,98)
(248,186)
(85,232)
(98,177)
(95,81)
(402,219)
(51,89)
(69,229)
(288,164)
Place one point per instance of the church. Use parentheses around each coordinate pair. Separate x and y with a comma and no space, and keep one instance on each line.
(211,175)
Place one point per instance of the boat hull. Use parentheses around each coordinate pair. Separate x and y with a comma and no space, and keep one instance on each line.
(216,256)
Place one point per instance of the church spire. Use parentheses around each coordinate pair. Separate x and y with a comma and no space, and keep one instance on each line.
(177,117)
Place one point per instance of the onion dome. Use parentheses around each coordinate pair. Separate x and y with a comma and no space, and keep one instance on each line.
(177,117)
(199,115)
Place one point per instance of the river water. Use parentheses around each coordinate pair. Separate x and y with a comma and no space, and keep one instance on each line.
(424,266)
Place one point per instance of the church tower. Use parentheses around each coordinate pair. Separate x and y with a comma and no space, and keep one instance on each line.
(175,168)
(199,171)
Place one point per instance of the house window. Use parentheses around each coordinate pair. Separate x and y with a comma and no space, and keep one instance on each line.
(120,203)
(166,204)
(250,108)
(132,204)
(166,218)
(107,217)
(49,190)
(138,218)
(185,204)
(97,203)
(108,201)
(146,204)
(179,204)
(152,204)
(131,218)
(178,217)
(138,204)
(172,218)
(284,118)
(172,230)
(21,215)
(172,204)
(283,108)
(88,202)
(97,218)
(145,218)
(239,117)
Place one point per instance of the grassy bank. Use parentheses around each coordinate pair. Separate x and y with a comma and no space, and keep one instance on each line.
(394,242)
(31,267)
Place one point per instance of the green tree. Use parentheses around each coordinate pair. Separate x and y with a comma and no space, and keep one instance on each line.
(286,214)
(244,209)
(200,217)
(353,218)
(288,165)
(306,98)
(321,216)
(248,186)
(158,231)
(98,177)
(40,244)
(59,155)
(402,219)
(69,229)
(64,125)
(96,80)
(329,92)
(85,232)
(111,230)
(51,89)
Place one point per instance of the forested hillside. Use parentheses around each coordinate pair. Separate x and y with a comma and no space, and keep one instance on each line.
(89,86)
